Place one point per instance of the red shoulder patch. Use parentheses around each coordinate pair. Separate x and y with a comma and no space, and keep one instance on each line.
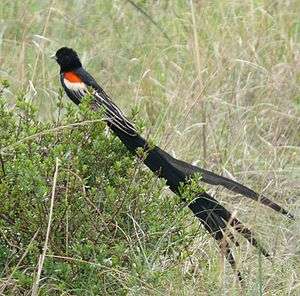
(72,77)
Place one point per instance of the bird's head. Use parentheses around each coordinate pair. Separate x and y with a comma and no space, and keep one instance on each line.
(67,58)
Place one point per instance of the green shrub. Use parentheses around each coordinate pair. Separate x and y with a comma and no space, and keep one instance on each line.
(111,224)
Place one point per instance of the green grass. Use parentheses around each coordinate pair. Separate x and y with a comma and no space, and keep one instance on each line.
(237,100)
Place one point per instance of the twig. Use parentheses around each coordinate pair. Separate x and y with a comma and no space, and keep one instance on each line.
(56,129)
(84,192)
(142,11)
(42,257)
(7,219)
(41,48)
(2,166)
(197,57)
(120,203)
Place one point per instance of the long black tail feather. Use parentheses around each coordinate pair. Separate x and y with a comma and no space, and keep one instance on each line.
(214,179)
(170,167)
(235,223)
(248,234)
(216,220)
(215,225)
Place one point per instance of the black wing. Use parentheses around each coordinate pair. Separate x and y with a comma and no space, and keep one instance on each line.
(115,116)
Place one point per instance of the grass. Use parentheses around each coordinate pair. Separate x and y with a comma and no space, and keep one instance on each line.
(227,84)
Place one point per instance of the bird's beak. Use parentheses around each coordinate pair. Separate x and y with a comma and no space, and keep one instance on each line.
(53,57)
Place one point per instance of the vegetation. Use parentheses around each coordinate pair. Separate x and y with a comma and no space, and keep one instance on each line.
(222,92)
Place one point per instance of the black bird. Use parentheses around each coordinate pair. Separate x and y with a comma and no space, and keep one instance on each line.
(77,83)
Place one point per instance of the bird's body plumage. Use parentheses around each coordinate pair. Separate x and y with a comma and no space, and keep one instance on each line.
(79,87)
(215,218)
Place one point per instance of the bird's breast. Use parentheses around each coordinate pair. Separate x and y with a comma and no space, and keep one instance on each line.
(72,76)
(73,82)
